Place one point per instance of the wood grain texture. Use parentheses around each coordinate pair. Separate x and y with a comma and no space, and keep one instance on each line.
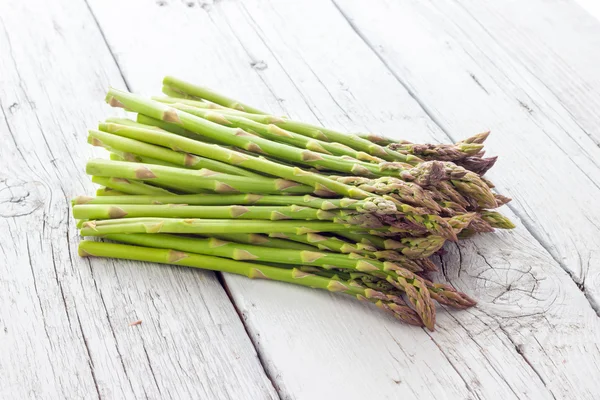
(65,321)
(533,335)
(550,160)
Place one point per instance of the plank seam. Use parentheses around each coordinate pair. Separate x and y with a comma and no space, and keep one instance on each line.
(469,388)
(260,76)
(261,360)
(89,354)
(528,226)
(110,50)
(260,36)
(533,75)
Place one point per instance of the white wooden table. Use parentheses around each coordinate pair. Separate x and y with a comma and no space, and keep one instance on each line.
(435,70)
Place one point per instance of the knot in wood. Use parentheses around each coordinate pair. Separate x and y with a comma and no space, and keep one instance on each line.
(18,198)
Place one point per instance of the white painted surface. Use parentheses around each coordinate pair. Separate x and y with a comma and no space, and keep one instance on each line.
(533,334)
(65,321)
(591,6)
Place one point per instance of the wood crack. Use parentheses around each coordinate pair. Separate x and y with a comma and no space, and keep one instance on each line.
(532,74)
(12,136)
(150,365)
(520,351)
(89,354)
(454,367)
(112,331)
(401,81)
(62,293)
(37,293)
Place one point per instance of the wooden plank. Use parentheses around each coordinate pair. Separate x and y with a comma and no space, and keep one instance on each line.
(590,6)
(557,43)
(544,146)
(65,321)
(532,329)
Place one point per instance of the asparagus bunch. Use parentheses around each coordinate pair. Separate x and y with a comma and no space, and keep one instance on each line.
(206,181)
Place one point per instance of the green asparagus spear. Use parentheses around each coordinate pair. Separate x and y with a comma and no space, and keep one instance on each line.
(322,184)
(192,179)
(251,270)
(247,252)
(205,226)
(130,186)
(275,133)
(371,205)
(186,160)
(262,240)
(199,92)
(104,191)
(106,211)
(315,132)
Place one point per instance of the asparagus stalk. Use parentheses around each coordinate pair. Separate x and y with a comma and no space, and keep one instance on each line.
(173,99)
(315,132)
(192,179)
(129,186)
(104,191)
(371,205)
(501,200)
(247,252)
(440,152)
(117,155)
(442,293)
(186,160)
(106,211)
(478,165)
(275,133)
(430,150)
(335,244)
(262,240)
(450,208)
(411,247)
(446,294)
(358,280)
(199,92)
(430,223)
(149,122)
(496,220)
(478,138)
(377,139)
(251,270)
(406,192)
(424,172)
(404,280)
(129,122)
(205,226)
(323,185)
(327,243)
